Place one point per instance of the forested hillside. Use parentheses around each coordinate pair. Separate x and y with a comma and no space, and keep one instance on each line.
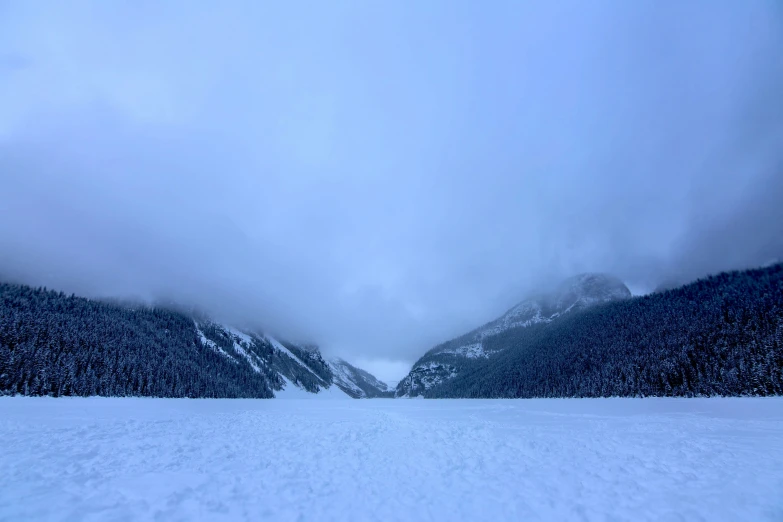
(722,335)
(55,344)
(450,359)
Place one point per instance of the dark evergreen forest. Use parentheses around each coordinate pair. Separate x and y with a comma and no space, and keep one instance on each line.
(54,344)
(722,335)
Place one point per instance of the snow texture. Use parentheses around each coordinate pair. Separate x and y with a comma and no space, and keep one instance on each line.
(210,343)
(593,460)
(242,342)
(471,351)
(251,359)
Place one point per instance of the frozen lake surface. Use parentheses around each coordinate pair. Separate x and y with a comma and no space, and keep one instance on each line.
(600,459)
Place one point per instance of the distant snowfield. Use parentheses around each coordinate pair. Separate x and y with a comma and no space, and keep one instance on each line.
(363,460)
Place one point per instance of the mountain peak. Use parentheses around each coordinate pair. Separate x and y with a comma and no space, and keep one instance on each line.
(595,287)
(575,293)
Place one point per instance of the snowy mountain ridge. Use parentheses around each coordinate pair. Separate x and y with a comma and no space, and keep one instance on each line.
(287,365)
(60,345)
(356,382)
(443,361)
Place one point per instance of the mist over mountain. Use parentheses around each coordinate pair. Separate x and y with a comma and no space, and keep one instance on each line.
(419,260)
(374,178)
(60,345)
(721,335)
(450,359)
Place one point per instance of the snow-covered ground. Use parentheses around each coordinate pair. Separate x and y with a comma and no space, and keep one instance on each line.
(611,459)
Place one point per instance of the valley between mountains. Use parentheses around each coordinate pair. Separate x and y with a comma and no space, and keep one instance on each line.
(721,335)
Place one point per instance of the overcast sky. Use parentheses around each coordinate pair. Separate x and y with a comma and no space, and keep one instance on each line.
(380,176)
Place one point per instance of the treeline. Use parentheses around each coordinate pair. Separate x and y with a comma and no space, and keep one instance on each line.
(54,344)
(722,335)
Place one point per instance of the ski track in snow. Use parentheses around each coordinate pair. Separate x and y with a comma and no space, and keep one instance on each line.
(363,460)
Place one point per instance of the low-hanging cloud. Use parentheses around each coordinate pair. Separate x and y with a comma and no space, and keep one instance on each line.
(376,177)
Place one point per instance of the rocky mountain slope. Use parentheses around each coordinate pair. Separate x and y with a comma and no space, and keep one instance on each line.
(356,382)
(54,344)
(446,361)
(722,335)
